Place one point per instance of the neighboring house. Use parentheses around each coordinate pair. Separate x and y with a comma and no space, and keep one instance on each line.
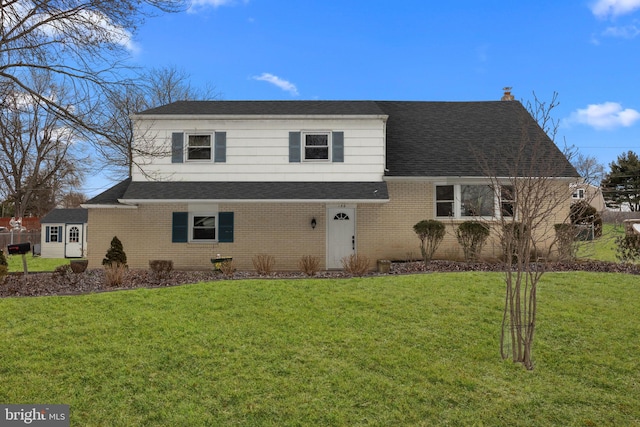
(592,194)
(321,178)
(64,233)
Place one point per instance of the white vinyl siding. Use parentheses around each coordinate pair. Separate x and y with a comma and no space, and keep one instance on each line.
(258,150)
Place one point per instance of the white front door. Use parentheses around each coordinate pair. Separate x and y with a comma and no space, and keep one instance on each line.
(341,235)
(73,241)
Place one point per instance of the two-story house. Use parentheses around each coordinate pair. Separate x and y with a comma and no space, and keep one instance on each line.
(321,178)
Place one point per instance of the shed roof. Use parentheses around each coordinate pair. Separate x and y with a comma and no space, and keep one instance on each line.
(66,216)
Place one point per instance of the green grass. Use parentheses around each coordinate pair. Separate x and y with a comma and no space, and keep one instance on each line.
(34,264)
(409,350)
(604,247)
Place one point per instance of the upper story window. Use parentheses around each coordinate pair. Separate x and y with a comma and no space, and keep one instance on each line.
(316,146)
(578,193)
(199,147)
(464,201)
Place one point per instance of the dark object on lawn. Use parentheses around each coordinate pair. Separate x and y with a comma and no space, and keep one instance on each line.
(19,248)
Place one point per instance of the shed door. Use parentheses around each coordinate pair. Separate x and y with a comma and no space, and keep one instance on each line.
(73,241)
(341,235)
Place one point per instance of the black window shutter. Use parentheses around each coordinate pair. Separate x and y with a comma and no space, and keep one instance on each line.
(60,237)
(180,229)
(294,147)
(46,233)
(225,223)
(177,147)
(220,153)
(338,147)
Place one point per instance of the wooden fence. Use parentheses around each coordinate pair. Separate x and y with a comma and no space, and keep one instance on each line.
(33,237)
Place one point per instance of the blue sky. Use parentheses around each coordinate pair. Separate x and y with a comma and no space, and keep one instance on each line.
(586,51)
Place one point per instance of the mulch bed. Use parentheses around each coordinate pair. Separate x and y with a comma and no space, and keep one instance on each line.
(43,284)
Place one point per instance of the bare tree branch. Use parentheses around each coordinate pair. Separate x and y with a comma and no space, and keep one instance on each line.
(81,43)
(40,157)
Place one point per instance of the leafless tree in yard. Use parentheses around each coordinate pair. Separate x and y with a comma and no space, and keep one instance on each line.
(39,157)
(154,88)
(81,43)
(531,182)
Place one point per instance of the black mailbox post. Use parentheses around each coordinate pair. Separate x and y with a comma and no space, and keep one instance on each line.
(19,248)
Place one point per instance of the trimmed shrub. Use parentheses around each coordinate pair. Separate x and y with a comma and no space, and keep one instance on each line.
(161,269)
(115,254)
(472,236)
(309,265)
(356,265)
(565,238)
(430,232)
(582,213)
(263,263)
(628,248)
(3,259)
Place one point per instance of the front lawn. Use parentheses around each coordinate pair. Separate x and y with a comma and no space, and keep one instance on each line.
(389,350)
(602,248)
(34,264)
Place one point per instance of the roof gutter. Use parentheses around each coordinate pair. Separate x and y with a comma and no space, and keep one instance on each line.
(135,202)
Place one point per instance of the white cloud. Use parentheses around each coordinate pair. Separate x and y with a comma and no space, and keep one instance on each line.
(277,81)
(197,5)
(626,32)
(85,26)
(608,115)
(613,8)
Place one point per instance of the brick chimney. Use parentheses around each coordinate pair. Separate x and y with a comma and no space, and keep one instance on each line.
(507,94)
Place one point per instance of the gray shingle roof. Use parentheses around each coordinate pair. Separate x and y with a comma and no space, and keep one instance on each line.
(494,138)
(111,195)
(268,108)
(66,216)
(181,190)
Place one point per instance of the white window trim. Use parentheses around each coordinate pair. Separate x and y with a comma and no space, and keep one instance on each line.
(457,203)
(578,194)
(303,145)
(203,210)
(211,136)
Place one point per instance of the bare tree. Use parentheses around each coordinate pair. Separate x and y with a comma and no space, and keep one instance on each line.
(39,153)
(72,199)
(80,43)
(157,87)
(170,84)
(589,168)
(534,194)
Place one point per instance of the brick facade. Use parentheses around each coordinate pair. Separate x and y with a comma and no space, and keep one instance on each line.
(282,230)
